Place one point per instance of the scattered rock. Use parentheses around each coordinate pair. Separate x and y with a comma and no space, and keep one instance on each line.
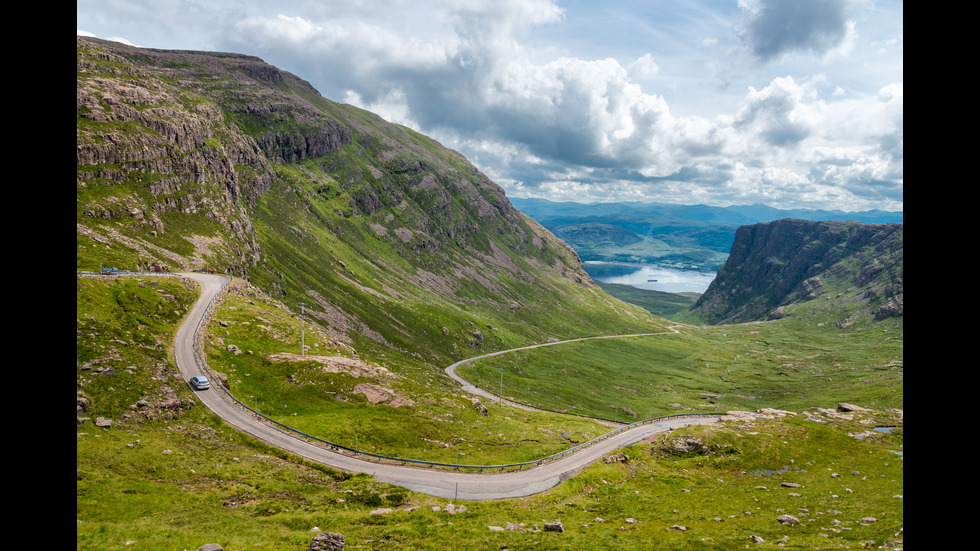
(481,408)
(788,519)
(678,527)
(337,364)
(757,539)
(210,547)
(382,511)
(377,394)
(103,422)
(687,445)
(616,458)
(327,541)
(554,527)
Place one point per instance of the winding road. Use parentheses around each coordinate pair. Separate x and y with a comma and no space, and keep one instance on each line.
(439,483)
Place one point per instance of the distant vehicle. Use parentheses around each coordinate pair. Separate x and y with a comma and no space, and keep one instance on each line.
(109,271)
(200,382)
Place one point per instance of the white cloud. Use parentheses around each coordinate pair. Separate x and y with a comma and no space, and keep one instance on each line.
(820,121)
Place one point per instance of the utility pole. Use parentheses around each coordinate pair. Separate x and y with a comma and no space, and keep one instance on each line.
(302,325)
(500,394)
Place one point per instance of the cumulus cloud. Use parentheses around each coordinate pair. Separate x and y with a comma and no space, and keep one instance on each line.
(545,122)
(777,27)
(776,113)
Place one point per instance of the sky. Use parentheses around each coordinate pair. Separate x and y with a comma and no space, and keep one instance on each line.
(787,103)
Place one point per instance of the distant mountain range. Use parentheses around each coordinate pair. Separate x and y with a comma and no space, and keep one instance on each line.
(677,236)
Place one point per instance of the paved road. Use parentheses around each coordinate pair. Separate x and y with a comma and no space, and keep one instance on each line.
(435,482)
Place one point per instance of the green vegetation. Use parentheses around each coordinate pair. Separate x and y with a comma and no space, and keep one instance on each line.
(656,302)
(785,364)
(367,263)
(170,475)
(419,413)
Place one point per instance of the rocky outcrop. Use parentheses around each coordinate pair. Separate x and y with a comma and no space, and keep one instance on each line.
(148,149)
(288,148)
(776,264)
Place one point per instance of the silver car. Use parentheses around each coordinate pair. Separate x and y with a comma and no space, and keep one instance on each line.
(200,382)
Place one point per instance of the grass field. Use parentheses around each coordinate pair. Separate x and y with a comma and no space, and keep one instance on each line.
(169,475)
(702,369)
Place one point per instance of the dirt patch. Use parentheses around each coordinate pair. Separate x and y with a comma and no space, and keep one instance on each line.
(338,364)
(377,394)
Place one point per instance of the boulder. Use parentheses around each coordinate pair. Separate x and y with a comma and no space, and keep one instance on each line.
(616,458)
(327,541)
(788,519)
(554,527)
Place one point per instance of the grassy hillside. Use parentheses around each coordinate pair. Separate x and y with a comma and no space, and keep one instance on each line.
(390,242)
(403,409)
(788,364)
(366,259)
(168,475)
(656,302)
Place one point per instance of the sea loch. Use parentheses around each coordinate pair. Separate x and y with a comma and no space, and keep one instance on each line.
(650,276)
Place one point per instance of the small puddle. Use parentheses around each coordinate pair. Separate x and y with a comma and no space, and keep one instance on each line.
(764,472)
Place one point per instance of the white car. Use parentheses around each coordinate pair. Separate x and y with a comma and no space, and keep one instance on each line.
(200,382)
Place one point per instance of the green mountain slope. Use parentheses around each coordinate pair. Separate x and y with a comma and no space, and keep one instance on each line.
(849,270)
(400,256)
(387,240)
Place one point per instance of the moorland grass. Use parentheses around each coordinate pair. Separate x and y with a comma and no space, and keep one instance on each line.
(180,478)
(440,424)
(782,364)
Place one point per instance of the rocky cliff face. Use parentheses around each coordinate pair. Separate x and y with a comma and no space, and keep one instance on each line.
(149,149)
(777,264)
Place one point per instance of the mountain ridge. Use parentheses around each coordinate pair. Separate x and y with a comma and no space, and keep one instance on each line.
(199,160)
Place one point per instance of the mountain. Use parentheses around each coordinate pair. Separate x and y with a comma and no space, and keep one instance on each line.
(671,235)
(774,267)
(382,236)
(384,255)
